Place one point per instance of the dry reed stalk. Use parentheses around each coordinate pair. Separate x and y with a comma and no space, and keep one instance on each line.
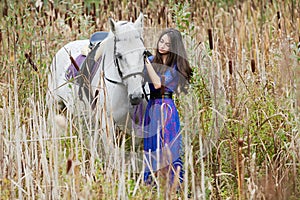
(2,147)
(253,66)
(30,61)
(202,183)
(55,13)
(67,17)
(279,20)
(1,36)
(240,169)
(230,67)
(232,93)
(18,155)
(210,38)
(186,158)
(252,187)
(193,178)
(5,9)
(28,172)
(121,171)
(218,171)
(267,51)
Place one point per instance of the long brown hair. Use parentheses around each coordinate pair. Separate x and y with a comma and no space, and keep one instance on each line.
(177,55)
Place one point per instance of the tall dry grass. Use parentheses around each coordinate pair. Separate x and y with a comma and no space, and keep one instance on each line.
(241,131)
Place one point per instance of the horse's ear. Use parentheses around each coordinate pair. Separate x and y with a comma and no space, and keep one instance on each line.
(139,22)
(113,25)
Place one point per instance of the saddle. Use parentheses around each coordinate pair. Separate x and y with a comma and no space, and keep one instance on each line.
(96,39)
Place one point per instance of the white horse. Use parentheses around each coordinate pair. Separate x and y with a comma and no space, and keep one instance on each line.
(107,93)
(115,84)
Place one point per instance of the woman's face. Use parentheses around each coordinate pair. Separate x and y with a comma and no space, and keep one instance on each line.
(164,44)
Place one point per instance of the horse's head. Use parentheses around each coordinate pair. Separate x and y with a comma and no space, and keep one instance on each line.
(128,56)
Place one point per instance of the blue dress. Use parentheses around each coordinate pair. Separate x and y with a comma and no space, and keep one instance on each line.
(162,138)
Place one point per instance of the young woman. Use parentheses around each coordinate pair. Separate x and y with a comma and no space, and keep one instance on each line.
(167,72)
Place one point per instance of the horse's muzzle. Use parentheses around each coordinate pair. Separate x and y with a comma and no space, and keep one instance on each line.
(136,99)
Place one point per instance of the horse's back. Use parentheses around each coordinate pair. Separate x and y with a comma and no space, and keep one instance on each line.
(58,89)
(74,48)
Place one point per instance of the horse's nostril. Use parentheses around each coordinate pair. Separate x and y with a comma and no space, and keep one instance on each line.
(135,99)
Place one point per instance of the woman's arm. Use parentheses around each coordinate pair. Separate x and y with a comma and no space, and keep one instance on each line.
(153,75)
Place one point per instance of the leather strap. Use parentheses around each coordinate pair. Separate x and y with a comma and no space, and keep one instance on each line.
(158,95)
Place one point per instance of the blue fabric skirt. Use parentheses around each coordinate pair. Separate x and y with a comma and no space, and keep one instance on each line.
(162,139)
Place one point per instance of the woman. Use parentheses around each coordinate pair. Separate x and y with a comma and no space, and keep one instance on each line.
(167,72)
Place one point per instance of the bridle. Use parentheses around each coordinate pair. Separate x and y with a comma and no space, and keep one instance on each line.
(116,58)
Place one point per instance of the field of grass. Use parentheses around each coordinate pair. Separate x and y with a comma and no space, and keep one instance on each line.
(240,119)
